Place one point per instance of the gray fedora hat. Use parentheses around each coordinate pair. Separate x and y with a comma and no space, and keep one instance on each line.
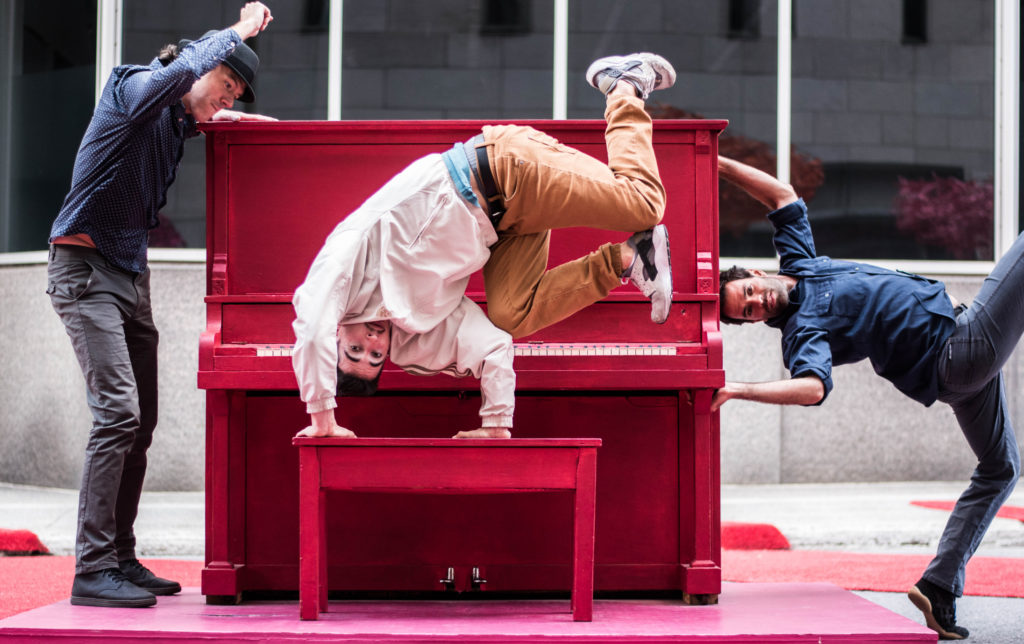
(243,61)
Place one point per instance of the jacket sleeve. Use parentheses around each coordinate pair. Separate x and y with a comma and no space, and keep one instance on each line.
(793,238)
(806,352)
(320,304)
(142,93)
(464,344)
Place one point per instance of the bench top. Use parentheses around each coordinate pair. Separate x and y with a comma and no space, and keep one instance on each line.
(455,443)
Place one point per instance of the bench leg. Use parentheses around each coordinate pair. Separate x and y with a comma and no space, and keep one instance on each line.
(310,533)
(583,537)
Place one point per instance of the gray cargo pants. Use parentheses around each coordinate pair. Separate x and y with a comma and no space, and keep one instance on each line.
(971,383)
(106,312)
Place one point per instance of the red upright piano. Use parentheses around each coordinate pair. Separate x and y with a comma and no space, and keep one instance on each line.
(274,192)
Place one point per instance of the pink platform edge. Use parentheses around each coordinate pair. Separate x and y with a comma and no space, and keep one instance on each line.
(745,613)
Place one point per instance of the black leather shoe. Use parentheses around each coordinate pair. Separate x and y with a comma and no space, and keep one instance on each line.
(939,610)
(144,578)
(109,587)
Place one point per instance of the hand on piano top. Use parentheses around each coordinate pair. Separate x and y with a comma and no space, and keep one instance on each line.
(485,432)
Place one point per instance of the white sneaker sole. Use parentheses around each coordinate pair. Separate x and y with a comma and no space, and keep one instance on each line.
(661,299)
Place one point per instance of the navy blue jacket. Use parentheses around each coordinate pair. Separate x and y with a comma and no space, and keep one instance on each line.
(842,312)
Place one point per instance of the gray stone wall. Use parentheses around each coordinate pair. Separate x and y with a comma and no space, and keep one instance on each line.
(865,431)
(46,421)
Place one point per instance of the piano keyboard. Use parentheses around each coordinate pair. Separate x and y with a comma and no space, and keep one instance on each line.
(538,349)
(597,349)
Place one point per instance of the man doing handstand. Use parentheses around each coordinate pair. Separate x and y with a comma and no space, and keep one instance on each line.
(390,280)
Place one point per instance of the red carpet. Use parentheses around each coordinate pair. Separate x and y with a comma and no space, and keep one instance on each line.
(28,582)
(21,542)
(987,576)
(752,536)
(1005,512)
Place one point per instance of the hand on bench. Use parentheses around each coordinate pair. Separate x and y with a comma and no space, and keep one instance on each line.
(485,432)
(324,424)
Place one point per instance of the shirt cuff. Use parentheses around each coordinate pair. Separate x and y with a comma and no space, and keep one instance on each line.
(496,421)
(826,381)
(788,214)
(315,406)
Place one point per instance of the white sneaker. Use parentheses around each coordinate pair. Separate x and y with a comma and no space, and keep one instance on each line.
(652,269)
(646,72)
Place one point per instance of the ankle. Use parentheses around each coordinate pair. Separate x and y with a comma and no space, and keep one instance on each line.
(627,256)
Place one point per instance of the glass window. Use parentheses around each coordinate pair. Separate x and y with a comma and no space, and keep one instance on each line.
(291,84)
(894,100)
(447,59)
(47,79)
(724,54)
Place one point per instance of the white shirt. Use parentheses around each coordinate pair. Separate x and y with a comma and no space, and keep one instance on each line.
(406,255)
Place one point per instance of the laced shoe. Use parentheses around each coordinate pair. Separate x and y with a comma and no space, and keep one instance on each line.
(144,578)
(651,271)
(108,587)
(939,608)
(645,72)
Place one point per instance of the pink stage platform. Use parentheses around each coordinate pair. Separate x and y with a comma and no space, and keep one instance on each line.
(745,613)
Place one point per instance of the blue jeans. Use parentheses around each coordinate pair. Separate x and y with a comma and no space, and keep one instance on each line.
(971,383)
(106,313)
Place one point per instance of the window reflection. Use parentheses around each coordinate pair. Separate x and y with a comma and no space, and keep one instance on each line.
(895,101)
(48,87)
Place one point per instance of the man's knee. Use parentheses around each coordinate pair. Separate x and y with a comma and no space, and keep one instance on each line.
(648,213)
(509,319)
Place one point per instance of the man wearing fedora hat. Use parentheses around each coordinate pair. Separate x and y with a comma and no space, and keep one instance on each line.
(98,281)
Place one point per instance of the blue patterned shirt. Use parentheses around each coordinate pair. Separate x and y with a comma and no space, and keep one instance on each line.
(130,152)
(843,312)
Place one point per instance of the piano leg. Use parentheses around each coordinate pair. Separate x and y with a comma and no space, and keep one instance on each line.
(699,496)
(221,576)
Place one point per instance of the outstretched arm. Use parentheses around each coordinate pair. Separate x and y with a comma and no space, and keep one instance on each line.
(805,390)
(252,19)
(759,185)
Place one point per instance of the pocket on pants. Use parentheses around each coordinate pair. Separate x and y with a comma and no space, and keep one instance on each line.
(966,363)
(69,280)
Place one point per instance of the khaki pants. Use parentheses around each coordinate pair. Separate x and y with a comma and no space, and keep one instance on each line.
(547,185)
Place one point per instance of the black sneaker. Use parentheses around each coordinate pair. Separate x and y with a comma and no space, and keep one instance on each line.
(652,269)
(144,578)
(939,608)
(108,587)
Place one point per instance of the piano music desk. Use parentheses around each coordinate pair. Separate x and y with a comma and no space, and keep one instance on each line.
(442,466)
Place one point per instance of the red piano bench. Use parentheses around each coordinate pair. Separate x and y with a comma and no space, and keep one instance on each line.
(439,466)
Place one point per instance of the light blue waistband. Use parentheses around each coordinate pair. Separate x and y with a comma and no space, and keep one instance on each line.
(458,167)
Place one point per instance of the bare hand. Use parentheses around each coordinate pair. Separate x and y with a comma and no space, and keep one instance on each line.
(722,395)
(253,18)
(485,432)
(325,425)
(233,116)
(337,431)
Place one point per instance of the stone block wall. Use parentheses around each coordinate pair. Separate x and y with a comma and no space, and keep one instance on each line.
(865,431)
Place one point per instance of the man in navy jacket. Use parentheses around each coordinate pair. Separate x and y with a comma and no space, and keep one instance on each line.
(834,312)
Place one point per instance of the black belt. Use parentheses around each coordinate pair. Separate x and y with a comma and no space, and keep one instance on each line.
(481,167)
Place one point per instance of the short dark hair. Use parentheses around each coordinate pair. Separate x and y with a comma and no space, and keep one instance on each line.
(349,385)
(724,277)
(168,54)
